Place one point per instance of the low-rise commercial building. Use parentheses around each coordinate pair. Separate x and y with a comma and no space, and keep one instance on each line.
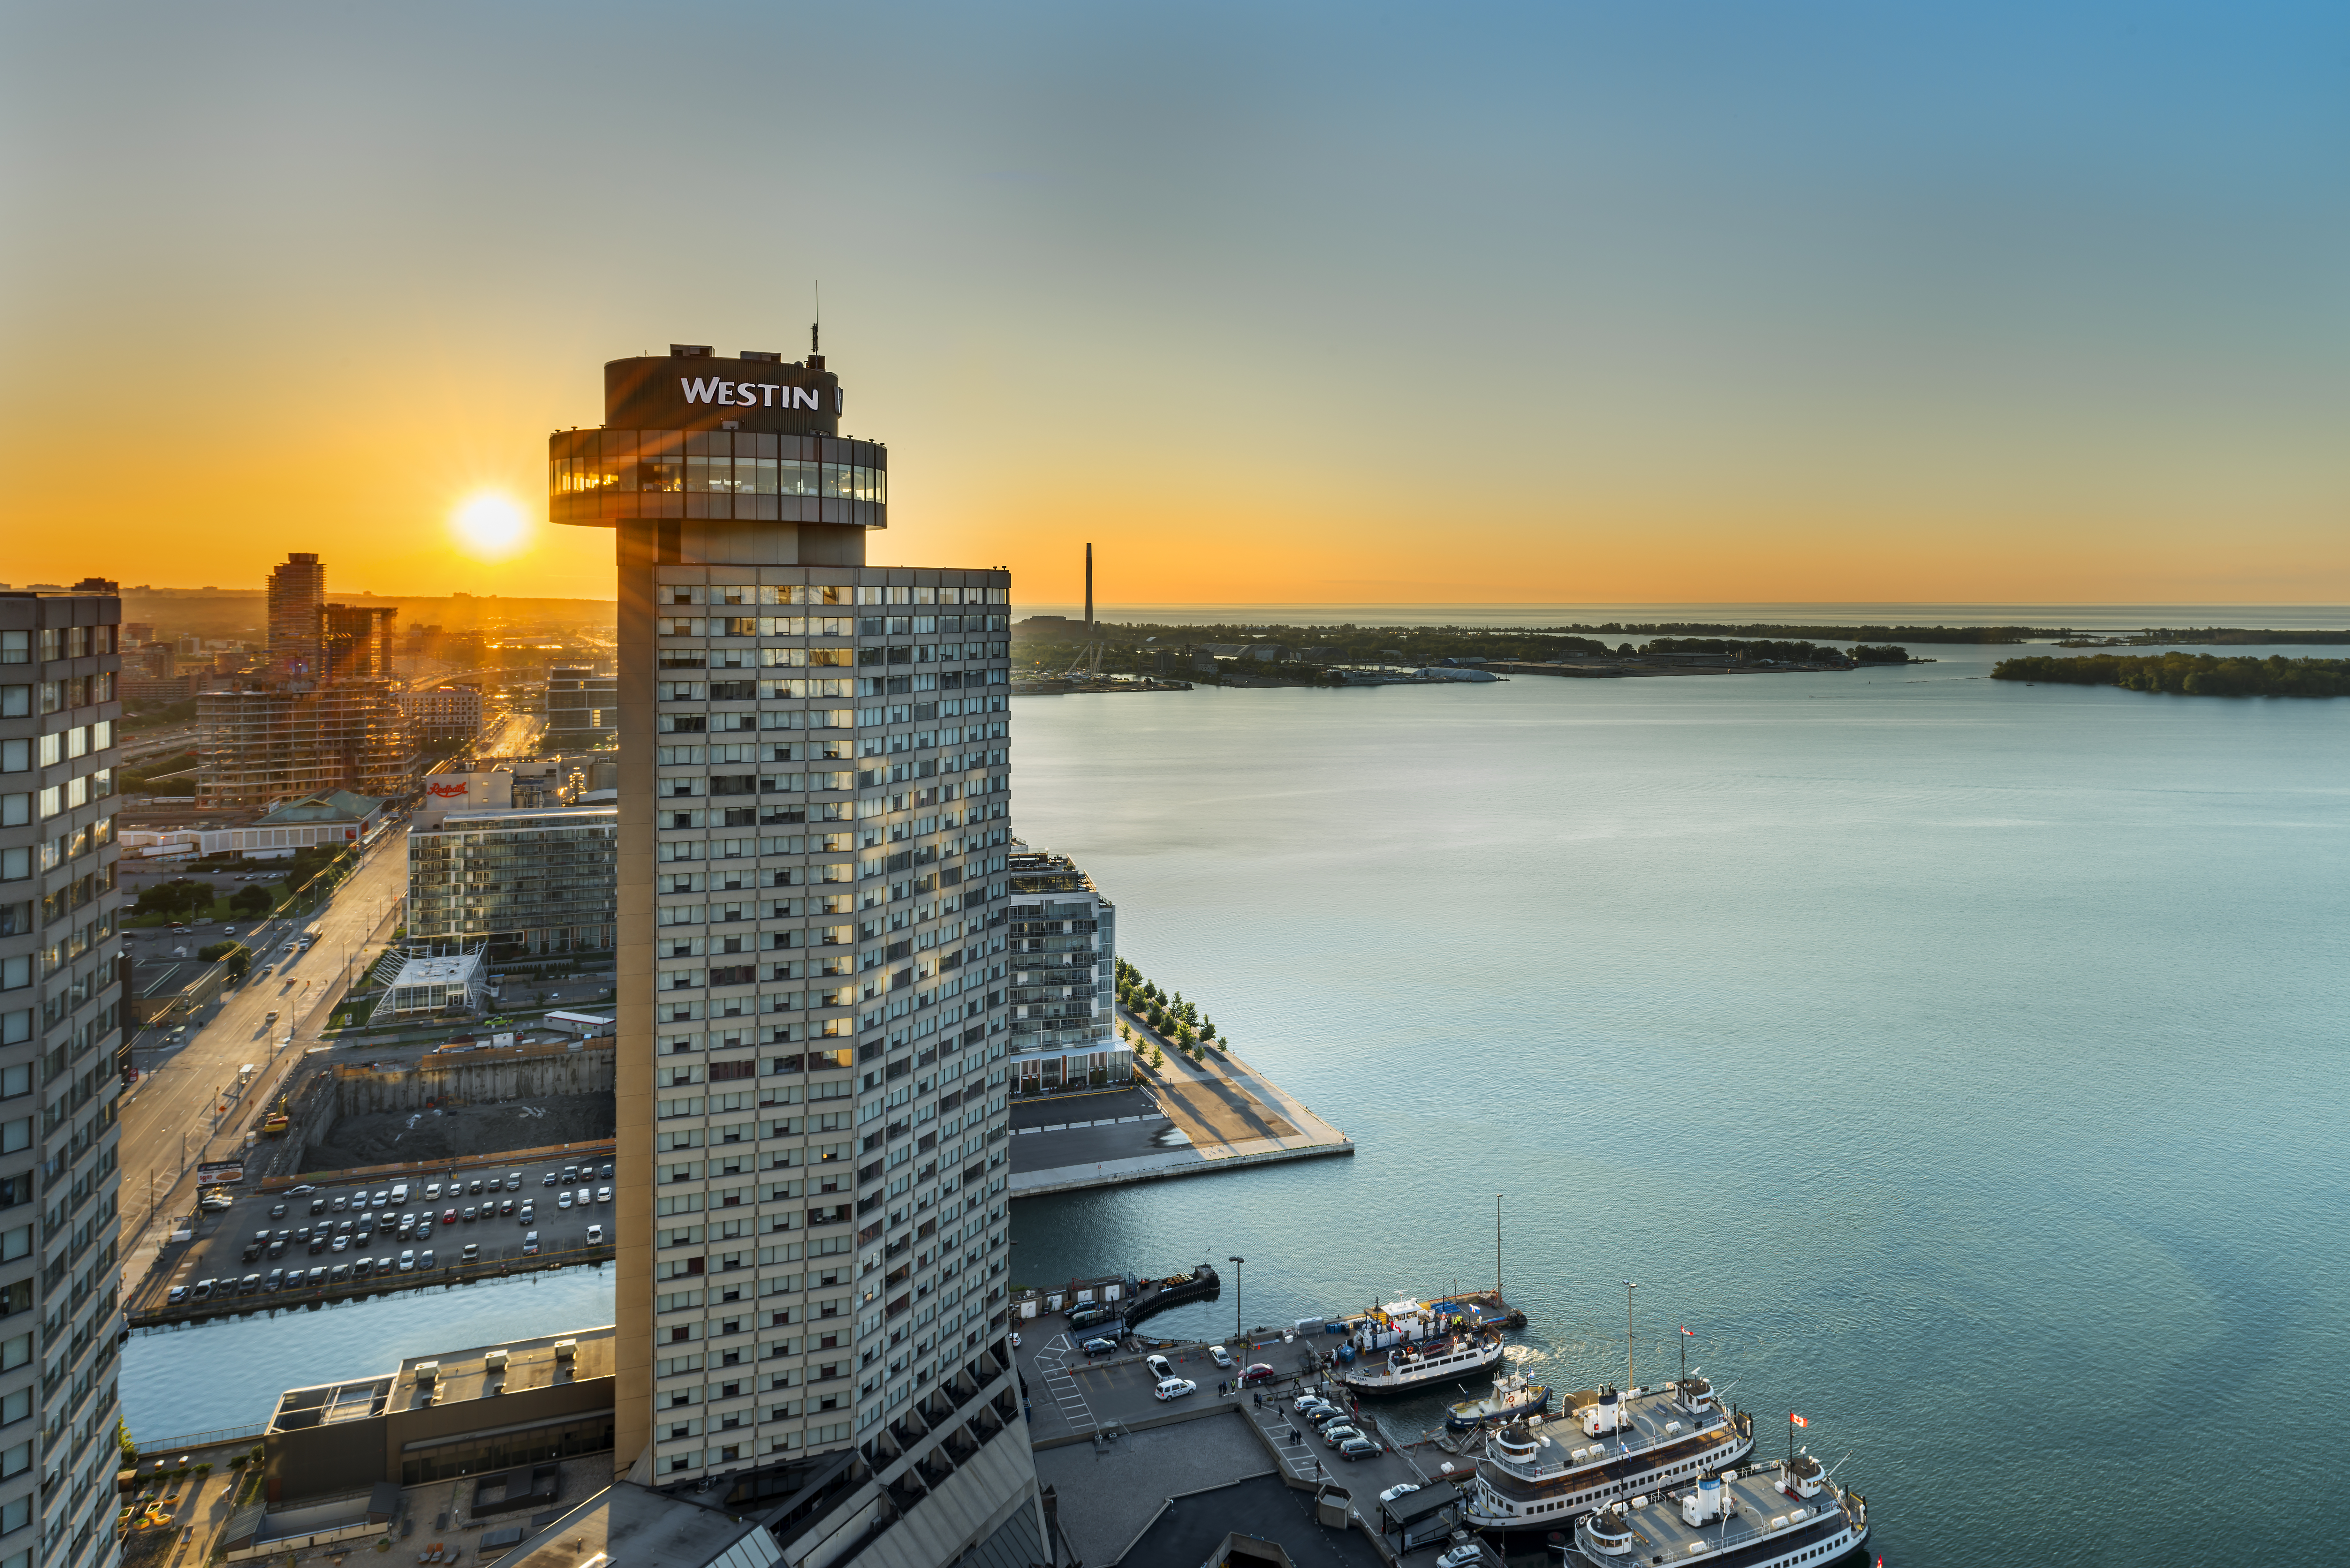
(527,883)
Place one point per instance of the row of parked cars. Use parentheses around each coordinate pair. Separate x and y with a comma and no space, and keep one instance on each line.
(298,1278)
(1350,1441)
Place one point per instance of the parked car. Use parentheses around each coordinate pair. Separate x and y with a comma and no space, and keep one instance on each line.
(248,1285)
(582,1198)
(506,1206)
(1306,1402)
(1461,1556)
(530,1244)
(473,1251)
(1174,1389)
(1258,1372)
(176,1293)
(276,1278)
(607,1171)
(1219,1355)
(447,1217)
(277,1211)
(1401,1488)
(514,1181)
(563,1198)
(1161,1368)
(408,1261)
(1104,1347)
(550,1180)
(604,1194)
(431,1192)
(424,1259)
(1360,1448)
(1338,1432)
(318,1206)
(468,1214)
(340,1273)
(595,1235)
(204,1289)
(361,1267)
(317,1276)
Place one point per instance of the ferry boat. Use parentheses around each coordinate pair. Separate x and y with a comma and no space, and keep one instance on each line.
(1515,1395)
(1407,1367)
(1775,1516)
(1539,1474)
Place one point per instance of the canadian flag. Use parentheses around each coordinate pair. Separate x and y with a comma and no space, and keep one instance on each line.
(1798,1420)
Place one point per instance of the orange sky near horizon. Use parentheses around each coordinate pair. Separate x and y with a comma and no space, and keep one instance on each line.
(1784,310)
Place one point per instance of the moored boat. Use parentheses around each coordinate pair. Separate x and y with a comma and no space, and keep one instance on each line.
(1775,1516)
(1406,1368)
(1540,1474)
(1513,1396)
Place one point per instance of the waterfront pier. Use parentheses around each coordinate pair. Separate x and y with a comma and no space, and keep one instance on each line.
(1180,1119)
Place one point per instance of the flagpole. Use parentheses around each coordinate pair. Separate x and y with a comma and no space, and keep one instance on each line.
(1629,1380)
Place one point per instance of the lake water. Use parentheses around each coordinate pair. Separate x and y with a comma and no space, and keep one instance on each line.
(1961,1062)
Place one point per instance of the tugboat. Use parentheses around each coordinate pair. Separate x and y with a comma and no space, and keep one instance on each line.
(1760,1519)
(1538,1475)
(1515,1395)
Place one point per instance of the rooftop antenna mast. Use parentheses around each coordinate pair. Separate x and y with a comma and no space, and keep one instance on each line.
(816,332)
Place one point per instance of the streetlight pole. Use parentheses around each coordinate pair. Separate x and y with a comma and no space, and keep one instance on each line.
(1238,1332)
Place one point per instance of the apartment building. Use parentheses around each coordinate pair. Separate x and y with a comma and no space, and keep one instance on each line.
(445,713)
(813,908)
(528,883)
(326,714)
(1063,980)
(61,1061)
(583,708)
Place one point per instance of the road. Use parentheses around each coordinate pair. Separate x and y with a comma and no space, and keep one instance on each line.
(511,735)
(173,1111)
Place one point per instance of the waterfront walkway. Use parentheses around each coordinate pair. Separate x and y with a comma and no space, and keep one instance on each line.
(1182,1119)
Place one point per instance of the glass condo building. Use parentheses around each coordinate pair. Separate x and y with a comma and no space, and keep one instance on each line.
(813,912)
(529,884)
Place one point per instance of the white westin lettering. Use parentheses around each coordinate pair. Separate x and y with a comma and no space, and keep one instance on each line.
(770,394)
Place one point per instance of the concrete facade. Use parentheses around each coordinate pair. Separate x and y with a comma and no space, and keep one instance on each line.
(60,1071)
(812,1016)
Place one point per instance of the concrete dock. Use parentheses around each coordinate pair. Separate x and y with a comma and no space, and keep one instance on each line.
(1182,1119)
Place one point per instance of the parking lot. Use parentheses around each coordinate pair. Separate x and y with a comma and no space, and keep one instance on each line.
(1072,1397)
(311,1242)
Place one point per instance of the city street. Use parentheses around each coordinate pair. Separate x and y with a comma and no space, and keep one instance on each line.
(172,1113)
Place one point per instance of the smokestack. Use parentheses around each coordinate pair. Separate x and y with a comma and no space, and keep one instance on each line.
(1089,593)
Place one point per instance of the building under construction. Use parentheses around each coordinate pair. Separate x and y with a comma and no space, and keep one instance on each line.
(326,715)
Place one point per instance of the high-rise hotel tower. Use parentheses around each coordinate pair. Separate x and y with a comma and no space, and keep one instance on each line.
(813,837)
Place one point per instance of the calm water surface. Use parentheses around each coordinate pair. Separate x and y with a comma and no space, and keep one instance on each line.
(1961,1062)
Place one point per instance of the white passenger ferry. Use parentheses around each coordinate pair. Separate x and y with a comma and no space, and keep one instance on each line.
(1785,1515)
(1602,1447)
(1410,1366)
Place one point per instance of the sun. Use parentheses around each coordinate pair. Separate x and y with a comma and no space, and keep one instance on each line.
(489,526)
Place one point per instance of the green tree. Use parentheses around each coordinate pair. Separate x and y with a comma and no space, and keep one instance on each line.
(182,897)
(1207,1029)
(252,902)
(236,955)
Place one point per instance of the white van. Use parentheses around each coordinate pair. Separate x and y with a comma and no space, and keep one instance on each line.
(399,1193)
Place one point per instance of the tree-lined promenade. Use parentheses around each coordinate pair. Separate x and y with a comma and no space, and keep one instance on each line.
(2186,674)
